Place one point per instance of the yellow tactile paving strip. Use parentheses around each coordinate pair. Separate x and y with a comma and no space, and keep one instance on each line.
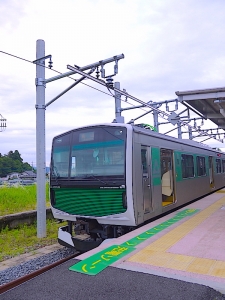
(156,253)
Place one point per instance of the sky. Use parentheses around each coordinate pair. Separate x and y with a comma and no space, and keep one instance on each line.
(169,46)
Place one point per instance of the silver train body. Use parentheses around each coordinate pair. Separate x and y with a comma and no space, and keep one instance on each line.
(107,179)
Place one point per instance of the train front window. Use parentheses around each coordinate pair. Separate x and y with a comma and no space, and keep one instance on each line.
(98,151)
(60,156)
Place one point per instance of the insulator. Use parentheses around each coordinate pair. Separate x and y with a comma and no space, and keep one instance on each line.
(109,81)
(97,73)
(50,63)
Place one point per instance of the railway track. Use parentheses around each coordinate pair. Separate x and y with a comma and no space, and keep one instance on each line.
(8,286)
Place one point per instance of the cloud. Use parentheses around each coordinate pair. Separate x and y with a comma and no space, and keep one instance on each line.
(11,13)
(168,45)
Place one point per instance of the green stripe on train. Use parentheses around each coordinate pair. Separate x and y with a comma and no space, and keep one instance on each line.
(89,202)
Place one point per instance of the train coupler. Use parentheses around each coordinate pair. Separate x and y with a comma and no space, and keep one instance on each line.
(81,242)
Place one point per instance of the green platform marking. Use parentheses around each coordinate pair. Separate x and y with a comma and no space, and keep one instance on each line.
(101,260)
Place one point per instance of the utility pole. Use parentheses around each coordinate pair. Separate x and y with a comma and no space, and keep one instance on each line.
(40,138)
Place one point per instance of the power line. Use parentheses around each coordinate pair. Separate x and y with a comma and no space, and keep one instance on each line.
(109,94)
(26,60)
(18,57)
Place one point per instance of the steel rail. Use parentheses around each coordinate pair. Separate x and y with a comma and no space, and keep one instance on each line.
(8,286)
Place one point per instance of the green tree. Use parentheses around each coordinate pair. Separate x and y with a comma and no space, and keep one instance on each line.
(5,166)
(12,162)
(27,167)
(15,155)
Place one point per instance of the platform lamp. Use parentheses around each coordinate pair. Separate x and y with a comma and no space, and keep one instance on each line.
(2,123)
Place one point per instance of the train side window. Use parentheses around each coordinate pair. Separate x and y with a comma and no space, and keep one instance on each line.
(144,160)
(187,164)
(223,166)
(201,169)
(218,165)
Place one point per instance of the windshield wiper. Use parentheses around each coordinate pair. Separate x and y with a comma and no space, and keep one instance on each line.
(55,172)
(93,176)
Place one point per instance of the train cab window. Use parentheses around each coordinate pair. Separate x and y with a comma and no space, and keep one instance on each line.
(218,165)
(223,166)
(187,163)
(60,156)
(201,170)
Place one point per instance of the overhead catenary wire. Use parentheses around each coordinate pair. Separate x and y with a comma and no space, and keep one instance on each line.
(160,113)
(26,60)
(29,61)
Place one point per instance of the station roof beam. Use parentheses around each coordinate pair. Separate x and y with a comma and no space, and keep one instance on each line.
(207,103)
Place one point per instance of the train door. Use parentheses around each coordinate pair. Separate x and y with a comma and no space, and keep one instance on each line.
(146,178)
(211,173)
(167,176)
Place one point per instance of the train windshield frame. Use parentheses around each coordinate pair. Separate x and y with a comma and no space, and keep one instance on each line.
(90,153)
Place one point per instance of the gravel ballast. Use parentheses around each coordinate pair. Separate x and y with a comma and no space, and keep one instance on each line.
(32,265)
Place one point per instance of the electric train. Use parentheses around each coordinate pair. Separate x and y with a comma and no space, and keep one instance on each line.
(107,179)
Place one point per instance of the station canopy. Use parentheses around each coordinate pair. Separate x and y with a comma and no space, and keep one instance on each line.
(207,103)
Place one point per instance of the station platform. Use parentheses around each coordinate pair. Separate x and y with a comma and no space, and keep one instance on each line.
(188,244)
(179,256)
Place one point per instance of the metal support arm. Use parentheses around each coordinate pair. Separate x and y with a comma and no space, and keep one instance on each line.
(162,114)
(94,65)
(69,88)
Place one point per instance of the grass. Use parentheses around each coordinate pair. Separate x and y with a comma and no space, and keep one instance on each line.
(24,239)
(17,199)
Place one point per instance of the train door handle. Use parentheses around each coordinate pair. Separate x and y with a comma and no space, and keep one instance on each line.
(148,185)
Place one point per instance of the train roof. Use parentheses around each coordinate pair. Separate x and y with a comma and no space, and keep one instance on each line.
(138,128)
(173,139)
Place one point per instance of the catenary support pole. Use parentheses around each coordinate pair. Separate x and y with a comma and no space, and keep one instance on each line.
(190,133)
(119,118)
(179,132)
(40,139)
(156,120)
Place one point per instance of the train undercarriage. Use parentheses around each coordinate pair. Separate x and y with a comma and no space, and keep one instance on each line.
(86,234)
